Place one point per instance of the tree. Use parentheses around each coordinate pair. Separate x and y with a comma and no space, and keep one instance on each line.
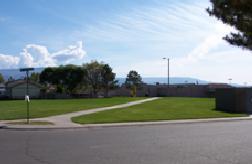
(133,81)
(108,79)
(34,76)
(93,76)
(99,76)
(66,78)
(50,76)
(73,77)
(47,76)
(237,13)
(11,78)
(1,78)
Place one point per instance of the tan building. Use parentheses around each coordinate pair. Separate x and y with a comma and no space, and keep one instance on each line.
(17,89)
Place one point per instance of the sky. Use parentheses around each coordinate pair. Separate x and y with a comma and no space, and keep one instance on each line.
(127,34)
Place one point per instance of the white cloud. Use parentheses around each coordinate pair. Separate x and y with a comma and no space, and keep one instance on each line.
(71,53)
(34,55)
(8,61)
(219,66)
(165,22)
(212,41)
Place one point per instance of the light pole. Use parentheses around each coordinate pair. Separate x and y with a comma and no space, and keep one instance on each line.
(168,71)
(230,80)
(27,90)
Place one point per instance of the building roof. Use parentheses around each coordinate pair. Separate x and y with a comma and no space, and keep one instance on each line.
(14,83)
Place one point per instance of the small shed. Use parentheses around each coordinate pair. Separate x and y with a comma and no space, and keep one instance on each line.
(235,100)
(17,89)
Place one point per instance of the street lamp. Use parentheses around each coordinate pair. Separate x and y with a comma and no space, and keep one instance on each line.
(27,90)
(168,71)
(230,80)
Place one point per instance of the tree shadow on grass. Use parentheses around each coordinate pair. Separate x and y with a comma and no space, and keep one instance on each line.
(228,111)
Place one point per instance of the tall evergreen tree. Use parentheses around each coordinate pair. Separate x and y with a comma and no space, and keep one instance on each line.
(237,13)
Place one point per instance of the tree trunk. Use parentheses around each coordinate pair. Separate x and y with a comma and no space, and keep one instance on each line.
(106,92)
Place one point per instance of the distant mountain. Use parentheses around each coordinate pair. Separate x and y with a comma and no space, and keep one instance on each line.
(16,74)
(173,80)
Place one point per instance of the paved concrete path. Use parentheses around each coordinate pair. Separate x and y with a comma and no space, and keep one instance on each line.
(64,121)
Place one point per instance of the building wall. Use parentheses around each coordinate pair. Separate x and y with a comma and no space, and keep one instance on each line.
(249,100)
(119,92)
(164,91)
(238,100)
(2,92)
(225,100)
(126,92)
(182,91)
(19,91)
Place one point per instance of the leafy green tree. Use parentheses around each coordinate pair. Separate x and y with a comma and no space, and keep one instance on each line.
(47,76)
(69,78)
(99,76)
(133,81)
(34,76)
(66,78)
(50,76)
(108,79)
(237,13)
(1,78)
(73,77)
(94,76)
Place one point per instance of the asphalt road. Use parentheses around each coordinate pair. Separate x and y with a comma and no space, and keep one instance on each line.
(200,143)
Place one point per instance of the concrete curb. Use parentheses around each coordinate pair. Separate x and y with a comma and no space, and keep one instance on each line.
(2,126)
(165,122)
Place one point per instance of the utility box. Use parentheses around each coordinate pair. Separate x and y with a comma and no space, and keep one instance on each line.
(235,100)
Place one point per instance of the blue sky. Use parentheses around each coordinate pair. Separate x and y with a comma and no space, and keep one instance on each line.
(127,34)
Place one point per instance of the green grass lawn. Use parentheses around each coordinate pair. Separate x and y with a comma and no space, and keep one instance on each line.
(16,109)
(161,109)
